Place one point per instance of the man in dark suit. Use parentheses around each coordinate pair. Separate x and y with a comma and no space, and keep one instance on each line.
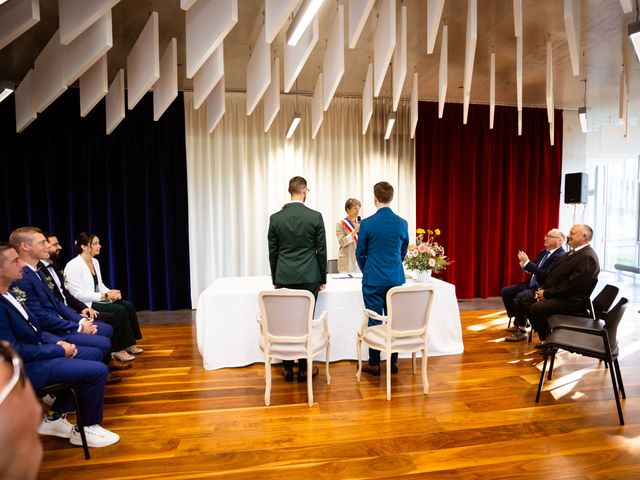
(297,253)
(382,245)
(54,316)
(513,295)
(49,359)
(568,285)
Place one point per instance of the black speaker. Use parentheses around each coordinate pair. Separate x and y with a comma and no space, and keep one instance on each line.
(576,188)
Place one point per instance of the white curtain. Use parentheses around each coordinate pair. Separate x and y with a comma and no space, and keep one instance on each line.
(238,176)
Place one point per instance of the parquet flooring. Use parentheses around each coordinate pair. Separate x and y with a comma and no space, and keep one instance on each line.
(178,421)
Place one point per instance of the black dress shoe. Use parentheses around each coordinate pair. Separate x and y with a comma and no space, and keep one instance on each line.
(302,375)
(288,375)
(371,369)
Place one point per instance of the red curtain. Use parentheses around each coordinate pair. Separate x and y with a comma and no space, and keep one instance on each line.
(489,191)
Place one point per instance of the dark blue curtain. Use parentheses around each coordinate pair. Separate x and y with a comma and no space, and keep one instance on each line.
(65,175)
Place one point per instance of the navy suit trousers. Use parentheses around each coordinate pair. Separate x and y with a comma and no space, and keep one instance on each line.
(84,368)
(375,298)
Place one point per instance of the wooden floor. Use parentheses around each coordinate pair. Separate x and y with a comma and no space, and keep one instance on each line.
(479,420)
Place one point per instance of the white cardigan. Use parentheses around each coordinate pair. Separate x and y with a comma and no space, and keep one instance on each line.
(79,281)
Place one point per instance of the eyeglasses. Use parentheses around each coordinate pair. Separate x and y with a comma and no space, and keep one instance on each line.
(8,353)
(551,236)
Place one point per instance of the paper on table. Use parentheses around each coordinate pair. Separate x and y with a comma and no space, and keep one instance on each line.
(355,275)
(340,275)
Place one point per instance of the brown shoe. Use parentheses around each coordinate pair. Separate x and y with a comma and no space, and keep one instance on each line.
(115,365)
(371,369)
(113,379)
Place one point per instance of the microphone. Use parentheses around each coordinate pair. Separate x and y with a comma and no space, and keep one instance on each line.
(359,219)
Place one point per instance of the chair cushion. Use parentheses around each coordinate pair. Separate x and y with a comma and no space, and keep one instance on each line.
(375,337)
(298,350)
(584,322)
(579,342)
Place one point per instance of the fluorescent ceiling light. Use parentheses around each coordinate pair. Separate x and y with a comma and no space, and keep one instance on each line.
(294,124)
(390,123)
(634,35)
(582,113)
(302,20)
(7,91)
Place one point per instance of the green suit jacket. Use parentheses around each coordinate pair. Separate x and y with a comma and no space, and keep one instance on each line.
(297,246)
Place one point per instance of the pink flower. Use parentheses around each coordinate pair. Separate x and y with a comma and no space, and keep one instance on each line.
(432,262)
(423,248)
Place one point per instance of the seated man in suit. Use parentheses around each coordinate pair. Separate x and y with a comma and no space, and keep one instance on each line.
(49,359)
(568,285)
(513,295)
(20,413)
(54,316)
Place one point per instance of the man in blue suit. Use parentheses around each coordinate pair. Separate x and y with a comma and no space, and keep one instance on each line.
(382,245)
(54,316)
(49,359)
(514,296)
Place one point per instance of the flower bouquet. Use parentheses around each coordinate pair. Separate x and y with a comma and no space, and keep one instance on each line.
(426,255)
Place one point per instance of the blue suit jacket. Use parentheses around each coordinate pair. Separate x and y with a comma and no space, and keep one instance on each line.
(53,315)
(542,272)
(32,345)
(382,245)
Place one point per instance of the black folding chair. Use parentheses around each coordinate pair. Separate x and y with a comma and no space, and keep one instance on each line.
(56,388)
(600,343)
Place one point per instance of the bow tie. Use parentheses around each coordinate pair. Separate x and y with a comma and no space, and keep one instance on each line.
(41,266)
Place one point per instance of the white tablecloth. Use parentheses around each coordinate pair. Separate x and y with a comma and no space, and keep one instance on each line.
(228,333)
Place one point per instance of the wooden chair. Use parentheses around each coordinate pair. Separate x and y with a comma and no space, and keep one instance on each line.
(288,332)
(403,330)
(72,387)
(600,343)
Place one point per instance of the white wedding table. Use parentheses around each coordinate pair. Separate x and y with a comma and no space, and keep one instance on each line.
(228,333)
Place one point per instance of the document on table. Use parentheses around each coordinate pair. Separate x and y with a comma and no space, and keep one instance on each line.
(338,276)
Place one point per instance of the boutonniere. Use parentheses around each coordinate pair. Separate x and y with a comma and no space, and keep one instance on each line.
(50,283)
(21,297)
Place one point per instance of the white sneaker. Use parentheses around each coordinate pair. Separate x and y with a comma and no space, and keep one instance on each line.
(122,356)
(97,437)
(134,350)
(59,428)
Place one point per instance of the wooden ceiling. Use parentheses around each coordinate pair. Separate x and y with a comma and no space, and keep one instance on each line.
(604,47)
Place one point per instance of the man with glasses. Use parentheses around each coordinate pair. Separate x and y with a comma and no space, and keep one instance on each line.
(49,359)
(298,254)
(513,296)
(20,447)
(567,287)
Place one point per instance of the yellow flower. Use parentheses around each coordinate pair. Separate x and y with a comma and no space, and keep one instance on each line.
(437,231)
(420,231)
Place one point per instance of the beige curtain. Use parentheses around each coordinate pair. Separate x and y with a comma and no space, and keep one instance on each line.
(238,176)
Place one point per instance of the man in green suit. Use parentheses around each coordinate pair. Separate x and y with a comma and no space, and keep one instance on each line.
(297,253)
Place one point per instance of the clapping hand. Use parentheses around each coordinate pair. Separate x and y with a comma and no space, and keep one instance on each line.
(523,257)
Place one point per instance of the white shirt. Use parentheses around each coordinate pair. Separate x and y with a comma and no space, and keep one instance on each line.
(19,307)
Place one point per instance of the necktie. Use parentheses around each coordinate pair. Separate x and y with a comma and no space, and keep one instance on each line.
(534,281)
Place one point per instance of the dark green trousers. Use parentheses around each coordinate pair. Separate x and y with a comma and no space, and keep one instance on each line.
(125,314)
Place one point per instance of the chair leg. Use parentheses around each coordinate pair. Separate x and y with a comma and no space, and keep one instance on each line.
(267,381)
(553,359)
(425,380)
(615,393)
(327,363)
(544,367)
(310,380)
(80,423)
(530,335)
(388,368)
(509,324)
(359,353)
(413,363)
(619,375)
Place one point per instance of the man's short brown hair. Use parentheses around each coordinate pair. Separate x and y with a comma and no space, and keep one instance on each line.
(383,191)
(296,185)
(22,235)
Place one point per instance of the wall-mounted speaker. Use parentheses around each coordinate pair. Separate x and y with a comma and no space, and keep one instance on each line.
(576,188)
